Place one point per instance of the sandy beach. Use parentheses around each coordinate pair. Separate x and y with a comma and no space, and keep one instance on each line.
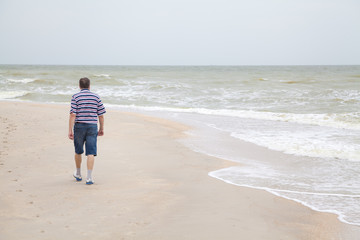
(147,186)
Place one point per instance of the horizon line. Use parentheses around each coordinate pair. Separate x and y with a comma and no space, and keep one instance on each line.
(177,65)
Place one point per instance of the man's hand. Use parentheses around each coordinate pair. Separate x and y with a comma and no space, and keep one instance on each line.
(101,128)
(71,135)
(101,132)
(71,125)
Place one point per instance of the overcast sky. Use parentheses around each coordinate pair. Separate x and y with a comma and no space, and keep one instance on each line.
(180,32)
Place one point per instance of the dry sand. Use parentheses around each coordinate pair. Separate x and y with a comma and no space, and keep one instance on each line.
(147,186)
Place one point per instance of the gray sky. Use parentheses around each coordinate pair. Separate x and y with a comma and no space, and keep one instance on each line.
(180,32)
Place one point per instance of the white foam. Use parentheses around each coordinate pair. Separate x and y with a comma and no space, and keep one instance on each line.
(335,120)
(102,75)
(312,144)
(282,193)
(24,80)
(12,94)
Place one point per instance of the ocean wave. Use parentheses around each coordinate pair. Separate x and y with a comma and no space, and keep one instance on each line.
(335,120)
(23,80)
(310,144)
(12,94)
(102,75)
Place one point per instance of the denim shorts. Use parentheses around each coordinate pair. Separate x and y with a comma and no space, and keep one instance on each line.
(85,133)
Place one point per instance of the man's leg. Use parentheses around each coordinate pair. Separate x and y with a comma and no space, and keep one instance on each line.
(90,166)
(78,160)
(79,139)
(90,145)
(77,174)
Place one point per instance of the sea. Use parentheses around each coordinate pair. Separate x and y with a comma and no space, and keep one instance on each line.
(308,115)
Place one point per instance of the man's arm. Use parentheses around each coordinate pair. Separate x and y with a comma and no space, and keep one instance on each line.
(101,129)
(71,125)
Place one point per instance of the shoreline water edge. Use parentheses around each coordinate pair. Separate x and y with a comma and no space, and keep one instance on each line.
(306,118)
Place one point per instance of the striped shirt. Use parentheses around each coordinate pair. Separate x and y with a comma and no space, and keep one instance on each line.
(87,106)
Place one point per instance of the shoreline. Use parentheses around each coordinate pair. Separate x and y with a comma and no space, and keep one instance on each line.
(170,196)
(272,191)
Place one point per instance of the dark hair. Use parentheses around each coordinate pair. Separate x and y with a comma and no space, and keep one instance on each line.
(84,82)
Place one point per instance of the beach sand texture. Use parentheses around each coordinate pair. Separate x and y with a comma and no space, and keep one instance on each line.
(147,186)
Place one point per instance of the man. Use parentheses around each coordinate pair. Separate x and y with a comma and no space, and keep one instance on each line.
(86,108)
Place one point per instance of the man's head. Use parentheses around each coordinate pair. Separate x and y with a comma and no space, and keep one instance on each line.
(84,83)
